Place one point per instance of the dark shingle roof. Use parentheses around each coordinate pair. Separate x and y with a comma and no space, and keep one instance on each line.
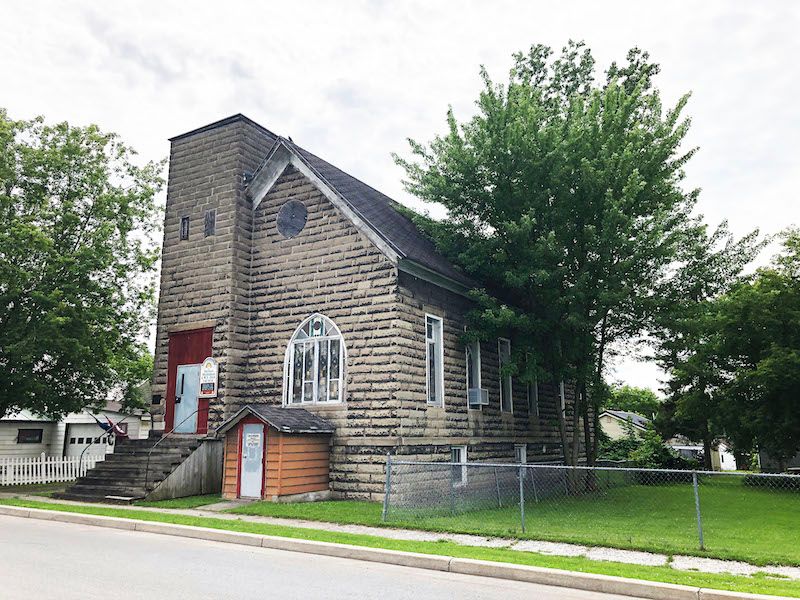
(383,214)
(284,419)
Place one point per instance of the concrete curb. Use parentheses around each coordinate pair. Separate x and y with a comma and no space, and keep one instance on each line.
(569,579)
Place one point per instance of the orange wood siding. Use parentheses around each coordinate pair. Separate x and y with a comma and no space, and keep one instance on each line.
(297,464)
(230,466)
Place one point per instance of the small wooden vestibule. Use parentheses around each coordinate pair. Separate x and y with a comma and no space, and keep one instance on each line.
(276,453)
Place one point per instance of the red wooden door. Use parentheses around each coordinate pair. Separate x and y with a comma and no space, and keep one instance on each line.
(187,348)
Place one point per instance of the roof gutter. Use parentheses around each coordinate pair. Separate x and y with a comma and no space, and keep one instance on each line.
(406,265)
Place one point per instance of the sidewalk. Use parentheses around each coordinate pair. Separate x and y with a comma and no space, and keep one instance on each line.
(678,562)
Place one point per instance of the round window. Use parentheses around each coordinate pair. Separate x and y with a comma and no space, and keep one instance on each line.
(292,218)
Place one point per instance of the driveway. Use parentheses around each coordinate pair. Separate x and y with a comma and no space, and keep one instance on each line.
(41,559)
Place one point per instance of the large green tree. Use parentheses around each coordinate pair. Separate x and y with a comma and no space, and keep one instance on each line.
(708,265)
(564,198)
(76,266)
(639,400)
(757,347)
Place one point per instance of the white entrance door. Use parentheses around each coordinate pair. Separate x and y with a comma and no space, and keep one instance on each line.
(252,461)
(187,387)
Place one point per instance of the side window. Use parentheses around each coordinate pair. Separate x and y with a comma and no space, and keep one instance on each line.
(504,357)
(533,399)
(458,473)
(29,436)
(520,454)
(476,396)
(434,360)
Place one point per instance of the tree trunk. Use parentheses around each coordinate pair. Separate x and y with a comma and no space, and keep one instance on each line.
(562,422)
(707,451)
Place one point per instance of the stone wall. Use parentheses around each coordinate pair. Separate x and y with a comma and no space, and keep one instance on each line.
(203,278)
(332,269)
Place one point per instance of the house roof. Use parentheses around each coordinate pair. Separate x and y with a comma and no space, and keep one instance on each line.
(284,419)
(636,419)
(379,212)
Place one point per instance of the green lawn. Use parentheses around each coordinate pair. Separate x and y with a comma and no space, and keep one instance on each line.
(188,502)
(761,584)
(35,489)
(751,524)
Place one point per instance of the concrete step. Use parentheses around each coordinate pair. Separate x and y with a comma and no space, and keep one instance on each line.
(123,474)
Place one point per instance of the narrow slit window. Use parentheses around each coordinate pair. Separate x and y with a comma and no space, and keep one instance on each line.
(210,222)
(185,228)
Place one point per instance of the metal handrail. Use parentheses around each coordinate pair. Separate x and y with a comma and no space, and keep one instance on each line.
(163,437)
(109,433)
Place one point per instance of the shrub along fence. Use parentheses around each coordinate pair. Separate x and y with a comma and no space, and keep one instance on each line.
(737,514)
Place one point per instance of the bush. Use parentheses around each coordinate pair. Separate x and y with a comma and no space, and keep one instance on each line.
(653,454)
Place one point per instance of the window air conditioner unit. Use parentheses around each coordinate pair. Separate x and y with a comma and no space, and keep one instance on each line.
(478,397)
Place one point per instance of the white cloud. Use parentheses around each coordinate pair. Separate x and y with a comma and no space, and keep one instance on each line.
(351,80)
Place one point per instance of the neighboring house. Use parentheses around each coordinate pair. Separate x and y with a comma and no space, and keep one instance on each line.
(770,465)
(313,292)
(722,458)
(617,423)
(27,434)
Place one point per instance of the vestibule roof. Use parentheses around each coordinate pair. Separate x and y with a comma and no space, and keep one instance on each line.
(284,419)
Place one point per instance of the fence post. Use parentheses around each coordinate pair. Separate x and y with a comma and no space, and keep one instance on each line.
(497,488)
(522,498)
(697,509)
(452,490)
(532,471)
(388,488)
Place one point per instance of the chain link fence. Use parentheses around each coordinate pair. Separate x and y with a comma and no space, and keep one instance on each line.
(738,515)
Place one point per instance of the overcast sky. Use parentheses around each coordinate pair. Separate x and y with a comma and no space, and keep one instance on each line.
(351,81)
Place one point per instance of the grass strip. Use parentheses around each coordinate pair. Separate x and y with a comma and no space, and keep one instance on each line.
(760,527)
(188,502)
(761,584)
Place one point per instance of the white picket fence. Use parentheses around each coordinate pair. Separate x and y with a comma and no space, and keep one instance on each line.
(25,470)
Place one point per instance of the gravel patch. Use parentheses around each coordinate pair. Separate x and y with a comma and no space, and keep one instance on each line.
(713,565)
(632,557)
(553,548)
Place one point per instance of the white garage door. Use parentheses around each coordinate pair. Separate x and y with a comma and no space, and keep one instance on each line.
(83,435)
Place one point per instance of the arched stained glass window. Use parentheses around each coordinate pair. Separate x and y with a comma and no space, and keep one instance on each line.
(314,367)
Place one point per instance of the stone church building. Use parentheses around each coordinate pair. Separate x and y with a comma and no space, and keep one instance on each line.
(322,304)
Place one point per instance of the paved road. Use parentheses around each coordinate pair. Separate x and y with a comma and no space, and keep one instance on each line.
(40,559)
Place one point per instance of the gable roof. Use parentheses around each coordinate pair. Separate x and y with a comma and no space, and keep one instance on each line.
(635,419)
(284,419)
(373,212)
(383,214)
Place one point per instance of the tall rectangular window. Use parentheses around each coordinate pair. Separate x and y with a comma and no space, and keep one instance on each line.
(533,399)
(458,470)
(476,396)
(504,358)
(434,360)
